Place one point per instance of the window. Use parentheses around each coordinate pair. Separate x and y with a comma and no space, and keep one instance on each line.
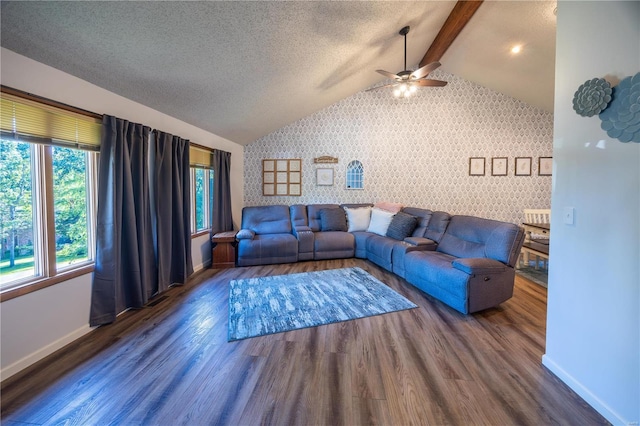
(355,175)
(16,212)
(47,210)
(72,185)
(201,199)
(47,193)
(201,188)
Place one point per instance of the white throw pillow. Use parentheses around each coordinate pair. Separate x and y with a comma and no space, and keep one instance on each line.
(358,218)
(380,220)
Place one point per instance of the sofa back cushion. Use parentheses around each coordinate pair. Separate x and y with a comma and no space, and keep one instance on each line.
(299,215)
(355,205)
(423,215)
(313,213)
(267,219)
(468,236)
(437,226)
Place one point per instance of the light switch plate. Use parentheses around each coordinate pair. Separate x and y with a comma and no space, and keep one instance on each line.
(568,215)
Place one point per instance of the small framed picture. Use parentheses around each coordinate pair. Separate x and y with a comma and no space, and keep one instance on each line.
(523,166)
(499,166)
(476,166)
(324,177)
(545,166)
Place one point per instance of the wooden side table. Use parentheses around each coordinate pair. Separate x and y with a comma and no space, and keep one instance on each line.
(223,250)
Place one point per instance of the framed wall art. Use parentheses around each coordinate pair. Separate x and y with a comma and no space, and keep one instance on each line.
(523,166)
(282,177)
(476,166)
(324,177)
(545,166)
(499,166)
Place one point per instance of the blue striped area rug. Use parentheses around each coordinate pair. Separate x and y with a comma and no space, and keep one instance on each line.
(268,305)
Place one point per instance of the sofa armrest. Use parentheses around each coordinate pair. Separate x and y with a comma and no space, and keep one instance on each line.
(305,238)
(479,265)
(297,229)
(420,242)
(245,234)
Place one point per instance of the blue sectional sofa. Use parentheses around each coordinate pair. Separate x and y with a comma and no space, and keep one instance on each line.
(466,262)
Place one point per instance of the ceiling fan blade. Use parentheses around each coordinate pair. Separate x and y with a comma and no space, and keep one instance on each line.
(381,87)
(389,74)
(433,83)
(424,71)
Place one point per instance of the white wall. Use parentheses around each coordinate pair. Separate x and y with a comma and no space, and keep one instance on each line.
(417,151)
(37,324)
(593,320)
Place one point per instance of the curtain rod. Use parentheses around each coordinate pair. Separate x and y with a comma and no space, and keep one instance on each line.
(46,101)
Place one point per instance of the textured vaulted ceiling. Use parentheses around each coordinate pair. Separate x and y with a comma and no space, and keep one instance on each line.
(244,69)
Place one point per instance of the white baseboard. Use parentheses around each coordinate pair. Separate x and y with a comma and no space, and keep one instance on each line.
(36,356)
(585,393)
(201,266)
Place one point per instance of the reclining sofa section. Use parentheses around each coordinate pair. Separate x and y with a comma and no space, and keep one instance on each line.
(466,262)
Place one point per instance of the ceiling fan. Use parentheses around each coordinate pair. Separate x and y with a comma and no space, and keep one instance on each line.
(407,81)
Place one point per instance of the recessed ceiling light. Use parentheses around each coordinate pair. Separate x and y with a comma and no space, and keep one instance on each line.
(516,49)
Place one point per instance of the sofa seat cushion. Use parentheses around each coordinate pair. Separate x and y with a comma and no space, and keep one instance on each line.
(408,245)
(333,245)
(268,249)
(433,273)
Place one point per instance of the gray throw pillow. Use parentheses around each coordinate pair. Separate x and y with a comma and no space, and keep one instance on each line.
(333,220)
(402,226)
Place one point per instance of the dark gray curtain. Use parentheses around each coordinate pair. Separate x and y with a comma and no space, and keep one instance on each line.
(221,220)
(125,268)
(171,187)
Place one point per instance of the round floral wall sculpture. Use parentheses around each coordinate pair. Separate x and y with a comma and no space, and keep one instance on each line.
(592,97)
(621,119)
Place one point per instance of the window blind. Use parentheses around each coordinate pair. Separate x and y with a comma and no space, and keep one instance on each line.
(33,121)
(200,157)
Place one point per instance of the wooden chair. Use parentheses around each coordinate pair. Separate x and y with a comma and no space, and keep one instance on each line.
(535,243)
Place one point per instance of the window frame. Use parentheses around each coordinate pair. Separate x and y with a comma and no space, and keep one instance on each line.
(207,201)
(46,270)
(356,167)
(42,196)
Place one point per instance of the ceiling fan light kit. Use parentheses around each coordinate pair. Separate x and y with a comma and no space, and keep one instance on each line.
(407,82)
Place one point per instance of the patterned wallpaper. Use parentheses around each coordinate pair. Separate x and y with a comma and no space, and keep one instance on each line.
(416,151)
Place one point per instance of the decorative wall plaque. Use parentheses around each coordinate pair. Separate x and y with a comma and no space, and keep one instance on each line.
(325,160)
(282,177)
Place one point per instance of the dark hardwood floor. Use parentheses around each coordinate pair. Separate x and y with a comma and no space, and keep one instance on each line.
(171,364)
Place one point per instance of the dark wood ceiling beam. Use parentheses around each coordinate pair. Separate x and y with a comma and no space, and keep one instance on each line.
(458,18)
